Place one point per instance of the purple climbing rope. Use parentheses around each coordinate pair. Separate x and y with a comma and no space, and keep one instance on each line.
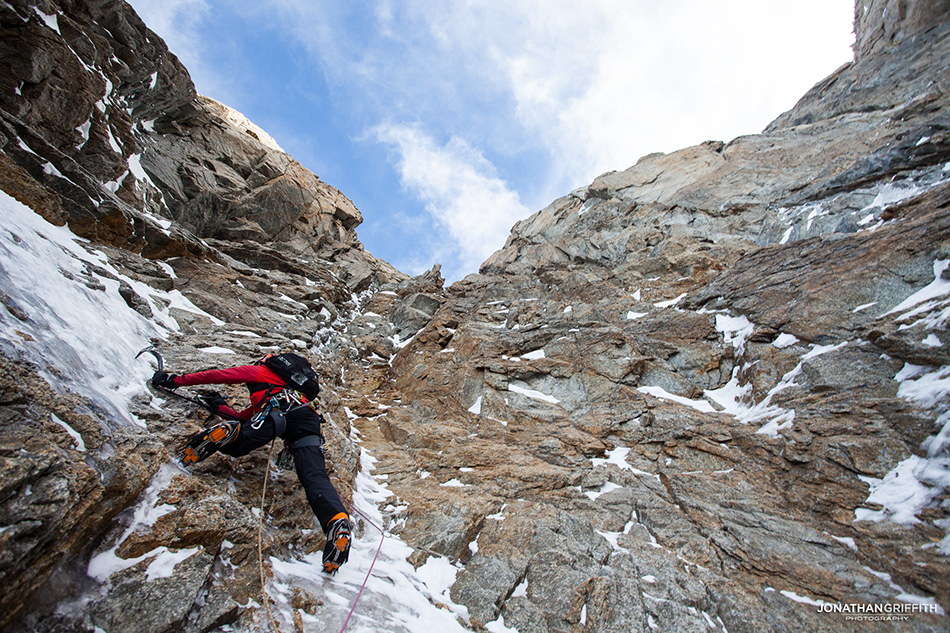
(365,580)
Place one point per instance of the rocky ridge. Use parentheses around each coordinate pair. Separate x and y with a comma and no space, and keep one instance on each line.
(665,404)
(96,109)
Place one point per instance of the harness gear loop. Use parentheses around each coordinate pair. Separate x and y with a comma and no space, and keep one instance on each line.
(268,403)
(276,404)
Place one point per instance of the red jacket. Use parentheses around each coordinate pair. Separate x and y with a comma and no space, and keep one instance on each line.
(253,375)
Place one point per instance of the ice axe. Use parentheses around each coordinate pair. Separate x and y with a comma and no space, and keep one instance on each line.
(154,352)
(198,401)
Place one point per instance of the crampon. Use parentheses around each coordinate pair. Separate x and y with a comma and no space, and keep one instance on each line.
(337,549)
(207,442)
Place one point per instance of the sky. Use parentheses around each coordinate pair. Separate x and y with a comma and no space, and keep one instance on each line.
(447,122)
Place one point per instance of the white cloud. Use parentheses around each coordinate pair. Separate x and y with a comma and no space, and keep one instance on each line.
(460,190)
(561,91)
(604,82)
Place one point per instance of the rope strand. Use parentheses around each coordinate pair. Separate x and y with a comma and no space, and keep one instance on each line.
(260,538)
(260,550)
(382,538)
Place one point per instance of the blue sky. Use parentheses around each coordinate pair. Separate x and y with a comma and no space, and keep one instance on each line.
(448,121)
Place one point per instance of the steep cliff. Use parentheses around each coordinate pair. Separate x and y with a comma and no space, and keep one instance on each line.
(703,389)
(706,392)
(102,132)
(95,108)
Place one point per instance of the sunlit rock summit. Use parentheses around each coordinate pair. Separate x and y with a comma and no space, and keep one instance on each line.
(710,391)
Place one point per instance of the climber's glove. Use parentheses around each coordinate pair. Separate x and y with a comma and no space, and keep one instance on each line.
(164,381)
(213,400)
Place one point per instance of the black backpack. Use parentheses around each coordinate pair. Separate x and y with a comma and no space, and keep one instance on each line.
(296,372)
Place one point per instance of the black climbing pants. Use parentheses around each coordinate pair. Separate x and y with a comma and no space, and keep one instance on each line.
(308,460)
(312,473)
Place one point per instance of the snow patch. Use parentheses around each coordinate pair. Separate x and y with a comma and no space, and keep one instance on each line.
(397,597)
(135,166)
(51,20)
(498,626)
(244,333)
(521,591)
(659,392)
(791,595)
(845,540)
(78,329)
(498,516)
(146,512)
(215,350)
(901,492)
(608,486)
(892,193)
(80,445)
(617,457)
(671,302)
(164,564)
(926,388)
(735,330)
(732,397)
(83,130)
(937,288)
(531,393)
(784,340)
(438,575)
(918,481)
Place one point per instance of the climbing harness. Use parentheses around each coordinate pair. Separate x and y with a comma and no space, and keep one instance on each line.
(276,403)
(270,408)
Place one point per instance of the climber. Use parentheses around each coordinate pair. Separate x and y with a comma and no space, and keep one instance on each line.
(276,410)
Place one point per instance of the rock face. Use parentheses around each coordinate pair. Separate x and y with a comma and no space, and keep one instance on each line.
(96,109)
(665,398)
(705,392)
(101,130)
